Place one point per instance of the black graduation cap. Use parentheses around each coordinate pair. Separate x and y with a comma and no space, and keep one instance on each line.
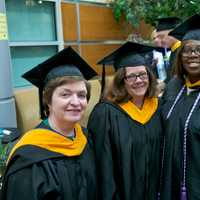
(188,30)
(65,63)
(167,23)
(129,54)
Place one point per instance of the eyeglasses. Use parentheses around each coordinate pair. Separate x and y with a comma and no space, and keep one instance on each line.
(189,51)
(133,77)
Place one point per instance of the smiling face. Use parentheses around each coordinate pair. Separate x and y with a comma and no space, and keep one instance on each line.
(68,102)
(191,59)
(136,81)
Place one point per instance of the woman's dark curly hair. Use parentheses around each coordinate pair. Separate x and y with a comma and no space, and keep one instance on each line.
(179,70)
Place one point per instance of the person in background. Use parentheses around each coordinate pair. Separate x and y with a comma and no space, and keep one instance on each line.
(181,111)
(152,62)
(55,160)
(156,58)
(155,39)
(126,129)
(156,62)
(163,27)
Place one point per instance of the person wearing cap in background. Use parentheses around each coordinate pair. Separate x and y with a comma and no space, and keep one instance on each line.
(126,129)
(151,57)
(156,62)
(156,58)
(55,160)
(181,110)
(156,40)
(163,27)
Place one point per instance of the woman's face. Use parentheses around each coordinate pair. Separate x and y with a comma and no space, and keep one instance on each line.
(68,102)
(136,81)
(191,59)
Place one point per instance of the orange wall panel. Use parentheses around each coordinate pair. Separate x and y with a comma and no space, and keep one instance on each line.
(98,23)
(75,47)
(145,30)
(69,21)
(93,53)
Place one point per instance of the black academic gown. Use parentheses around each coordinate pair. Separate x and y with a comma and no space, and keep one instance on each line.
(127,153)
(173,157)
(35,173)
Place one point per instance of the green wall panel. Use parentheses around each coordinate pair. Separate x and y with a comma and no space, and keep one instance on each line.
(25,58)
(31,23)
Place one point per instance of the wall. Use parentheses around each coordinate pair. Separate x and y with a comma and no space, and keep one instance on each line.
(93,32)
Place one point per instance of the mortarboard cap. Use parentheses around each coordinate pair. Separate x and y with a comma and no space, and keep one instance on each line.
(65,63)
(167,23)
(188,30)
(129,54)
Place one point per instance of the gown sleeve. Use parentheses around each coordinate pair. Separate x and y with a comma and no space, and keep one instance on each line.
(100,126)
(36,182)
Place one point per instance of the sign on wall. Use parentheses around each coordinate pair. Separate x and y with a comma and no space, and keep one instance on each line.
(3,27)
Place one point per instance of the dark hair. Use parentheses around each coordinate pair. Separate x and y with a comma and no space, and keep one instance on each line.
(54,83)
(179,70)
(117,92)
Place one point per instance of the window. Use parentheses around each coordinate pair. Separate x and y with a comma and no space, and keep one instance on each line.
(31,23)
(32,29)
(25,58)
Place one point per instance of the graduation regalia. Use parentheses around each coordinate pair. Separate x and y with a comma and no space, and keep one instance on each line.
(127,140)
(165,24)
(44,164)
(127,153)
(38,172)
(144,50)
(181,111)
(173,157)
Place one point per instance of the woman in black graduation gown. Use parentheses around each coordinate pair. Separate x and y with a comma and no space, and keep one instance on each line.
(181,110)
(126,129)
(55,160)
